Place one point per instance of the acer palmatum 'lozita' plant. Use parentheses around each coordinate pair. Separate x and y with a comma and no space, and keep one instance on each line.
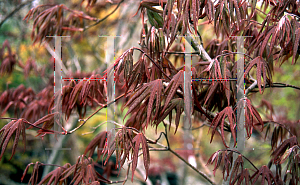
(155,86)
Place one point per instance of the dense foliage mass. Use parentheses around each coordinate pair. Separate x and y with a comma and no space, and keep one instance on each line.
(153,88)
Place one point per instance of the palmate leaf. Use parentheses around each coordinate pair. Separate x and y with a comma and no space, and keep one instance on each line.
(122,65)
(121,145)
(220,157)
(34,175)
(214,70)
(83,172)
(64,98)
(292,152)
(77,96)
(55,176)
(137,140)
(214,158)
(15,127)
(93,90)
(98,141)
(262,71)
(155,19)
(278,135)
(230,15)
(178,105)
(151,91)
(280,150)
(52,21)
(19,98)
(48,123)
(138,118)
(219,120)
(293,165)
(266,174)
(139,73)
(237,166)
(210,95)
(7,61)
(175,83)
(250,114)
(285,33)
(124,143)
(244,175)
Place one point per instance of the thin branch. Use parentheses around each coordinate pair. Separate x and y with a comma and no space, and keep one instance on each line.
(15,11)
(156,141)
(282,85)
(46,130)
(191,166)
(50,131)
(274,85)
(165,148)
(158,149)
(104,18)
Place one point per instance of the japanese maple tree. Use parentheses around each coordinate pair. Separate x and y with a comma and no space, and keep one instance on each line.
(161,87)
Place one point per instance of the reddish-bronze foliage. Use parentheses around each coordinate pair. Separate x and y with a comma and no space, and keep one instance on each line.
(152,94)
(34,175)
(137,140)
(280,150)
(220,157)
(99,141)
(15,127)
(266,175)
(262,71)
(153,86)
(219,120)
(82,172)
(55,176)
(237,168)
(244,175)
(250,115)
(52,21)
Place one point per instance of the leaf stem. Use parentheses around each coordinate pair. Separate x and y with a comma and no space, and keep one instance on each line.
(191,166)
(274,85)
(282,85)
